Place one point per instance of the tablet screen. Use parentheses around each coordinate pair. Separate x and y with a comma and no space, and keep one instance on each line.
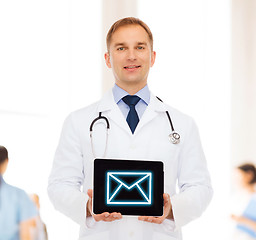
(131,187)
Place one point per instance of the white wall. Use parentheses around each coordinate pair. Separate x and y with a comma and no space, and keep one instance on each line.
(49,66)
(243,81)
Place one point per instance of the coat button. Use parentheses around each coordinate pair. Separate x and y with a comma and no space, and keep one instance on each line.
(131,234)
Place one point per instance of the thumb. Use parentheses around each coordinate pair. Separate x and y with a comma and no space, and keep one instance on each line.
(89,193)
(166,198)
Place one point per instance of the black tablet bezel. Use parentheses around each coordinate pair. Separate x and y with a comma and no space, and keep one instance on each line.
(102,166)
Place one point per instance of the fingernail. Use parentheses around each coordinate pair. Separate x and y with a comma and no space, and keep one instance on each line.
(106,215)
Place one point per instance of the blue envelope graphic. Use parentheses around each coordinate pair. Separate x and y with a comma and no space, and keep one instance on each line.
(129,188)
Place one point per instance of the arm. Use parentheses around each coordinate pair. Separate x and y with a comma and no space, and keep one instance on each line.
(244,221)
(193,180)
(67,175)
(26,214)
(25,227)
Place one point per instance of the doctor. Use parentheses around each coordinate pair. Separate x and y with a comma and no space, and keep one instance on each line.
(139,129)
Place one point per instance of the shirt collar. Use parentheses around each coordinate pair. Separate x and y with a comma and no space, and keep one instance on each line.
(1,179)
(119,93)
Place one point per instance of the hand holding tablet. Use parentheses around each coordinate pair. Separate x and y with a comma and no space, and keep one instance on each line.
(129,187)
(106,216)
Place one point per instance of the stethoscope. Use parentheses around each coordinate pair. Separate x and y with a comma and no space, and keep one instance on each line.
(174,137)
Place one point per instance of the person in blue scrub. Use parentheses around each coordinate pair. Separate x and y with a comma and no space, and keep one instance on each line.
(16,209)
(246,222)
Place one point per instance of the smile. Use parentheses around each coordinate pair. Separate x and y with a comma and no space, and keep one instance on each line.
(132,67)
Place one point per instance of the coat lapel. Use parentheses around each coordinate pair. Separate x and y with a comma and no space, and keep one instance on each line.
(109,108)
(152,111)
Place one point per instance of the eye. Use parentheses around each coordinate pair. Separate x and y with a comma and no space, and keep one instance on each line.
(140,47)
(120,49)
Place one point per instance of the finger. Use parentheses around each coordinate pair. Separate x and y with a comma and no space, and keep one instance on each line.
(166,198)
(115,216)
(142,218)
(107,217)
(149,219)
(89,193)
(101,217)
(146,218)
(167,204)
(158,220)
(111,218)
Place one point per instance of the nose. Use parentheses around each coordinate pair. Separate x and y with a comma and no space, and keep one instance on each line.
(131,54)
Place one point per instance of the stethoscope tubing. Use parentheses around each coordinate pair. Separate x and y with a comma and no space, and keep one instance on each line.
(174,136)
(98,118)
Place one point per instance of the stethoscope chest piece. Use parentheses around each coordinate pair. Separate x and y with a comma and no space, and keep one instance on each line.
(174,137)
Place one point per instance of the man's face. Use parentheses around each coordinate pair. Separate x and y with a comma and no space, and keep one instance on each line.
(130,56)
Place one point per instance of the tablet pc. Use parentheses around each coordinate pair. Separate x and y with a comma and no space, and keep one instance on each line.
(131,187)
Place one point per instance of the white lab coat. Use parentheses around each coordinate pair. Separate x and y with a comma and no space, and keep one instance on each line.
(184,163)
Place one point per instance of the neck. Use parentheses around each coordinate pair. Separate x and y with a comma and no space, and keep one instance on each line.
(251,188)
(131,89)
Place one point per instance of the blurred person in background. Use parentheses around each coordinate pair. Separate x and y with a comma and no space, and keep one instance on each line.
(38,230)
(246,222)
(16,209)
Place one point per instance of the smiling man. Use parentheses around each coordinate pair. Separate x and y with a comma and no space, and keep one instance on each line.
(139,129)
(130,55)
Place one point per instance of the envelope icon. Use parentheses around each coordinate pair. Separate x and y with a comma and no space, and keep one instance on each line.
(129,188)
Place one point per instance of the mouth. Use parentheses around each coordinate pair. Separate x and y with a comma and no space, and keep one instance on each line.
(131,67)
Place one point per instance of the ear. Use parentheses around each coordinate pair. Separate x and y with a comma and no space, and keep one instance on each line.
(3,166)
(153,58)
(107,59)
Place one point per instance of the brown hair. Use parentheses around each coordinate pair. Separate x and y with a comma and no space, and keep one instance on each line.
(3,154)
(128,21)
(249,168)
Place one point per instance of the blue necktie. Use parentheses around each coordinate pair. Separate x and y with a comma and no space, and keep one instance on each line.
(132,117)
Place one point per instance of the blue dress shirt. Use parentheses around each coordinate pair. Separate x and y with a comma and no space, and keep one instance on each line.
(140,107)
(15,207)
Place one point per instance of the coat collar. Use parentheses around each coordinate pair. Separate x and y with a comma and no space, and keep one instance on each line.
(108,106)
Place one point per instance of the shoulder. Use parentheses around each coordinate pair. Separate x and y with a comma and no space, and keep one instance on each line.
(19,193)
(15,194)
(90,112)
(182,123)
(86,109)
(10,189)
(175,114)
(103,104)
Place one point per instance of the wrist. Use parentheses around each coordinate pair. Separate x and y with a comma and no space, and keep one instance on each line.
(88,209)
(170,214)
